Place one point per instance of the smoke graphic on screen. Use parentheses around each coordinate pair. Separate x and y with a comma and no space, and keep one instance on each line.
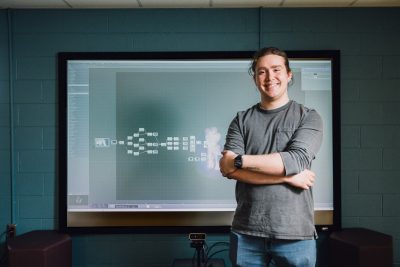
(213,149)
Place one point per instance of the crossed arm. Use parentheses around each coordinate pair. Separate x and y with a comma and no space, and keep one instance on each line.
(263,169)
(289,166)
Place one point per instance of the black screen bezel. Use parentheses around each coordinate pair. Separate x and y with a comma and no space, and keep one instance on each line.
(63,57)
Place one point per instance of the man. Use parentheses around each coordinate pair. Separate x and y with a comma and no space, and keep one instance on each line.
(268,151)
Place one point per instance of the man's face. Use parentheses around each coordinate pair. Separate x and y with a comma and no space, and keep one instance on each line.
(272,78)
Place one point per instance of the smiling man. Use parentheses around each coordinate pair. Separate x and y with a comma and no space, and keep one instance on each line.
(268,151)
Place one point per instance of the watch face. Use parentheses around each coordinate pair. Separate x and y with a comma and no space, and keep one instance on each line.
(238,162)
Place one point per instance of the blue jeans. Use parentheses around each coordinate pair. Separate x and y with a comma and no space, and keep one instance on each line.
(253,251)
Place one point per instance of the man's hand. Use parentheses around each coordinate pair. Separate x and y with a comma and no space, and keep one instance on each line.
(303,180)
(226,163)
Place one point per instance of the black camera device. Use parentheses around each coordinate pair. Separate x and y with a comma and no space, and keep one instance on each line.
(197,236)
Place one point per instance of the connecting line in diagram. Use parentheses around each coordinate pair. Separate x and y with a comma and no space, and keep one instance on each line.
(146,142)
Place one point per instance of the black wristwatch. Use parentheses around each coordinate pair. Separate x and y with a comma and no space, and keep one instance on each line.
(238,162)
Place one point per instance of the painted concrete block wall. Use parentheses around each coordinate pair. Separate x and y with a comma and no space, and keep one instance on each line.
(5,193)
(369,41)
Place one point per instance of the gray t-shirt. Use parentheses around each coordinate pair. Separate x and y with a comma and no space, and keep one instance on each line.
(276,211)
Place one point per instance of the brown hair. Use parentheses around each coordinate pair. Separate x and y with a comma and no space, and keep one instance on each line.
(268,51)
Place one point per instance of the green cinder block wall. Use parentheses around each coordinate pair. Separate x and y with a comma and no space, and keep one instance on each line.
(369,41)
(5,166)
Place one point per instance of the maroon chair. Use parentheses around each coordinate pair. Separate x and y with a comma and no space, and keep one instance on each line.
(42,248)
(359,247)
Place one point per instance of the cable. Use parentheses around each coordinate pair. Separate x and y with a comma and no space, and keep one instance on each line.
(218,251)
(203,252)
(210,248)
(215,253)
(199,255)
(217,244)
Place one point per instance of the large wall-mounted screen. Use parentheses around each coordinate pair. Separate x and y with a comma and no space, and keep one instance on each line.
(141,135)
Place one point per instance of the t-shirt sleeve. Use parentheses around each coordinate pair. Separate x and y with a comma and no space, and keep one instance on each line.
(304,144)
(234,137)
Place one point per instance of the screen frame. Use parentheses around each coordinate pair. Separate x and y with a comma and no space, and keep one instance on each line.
(64,57)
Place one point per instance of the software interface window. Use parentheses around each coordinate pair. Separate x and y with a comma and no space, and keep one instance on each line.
(147,135)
